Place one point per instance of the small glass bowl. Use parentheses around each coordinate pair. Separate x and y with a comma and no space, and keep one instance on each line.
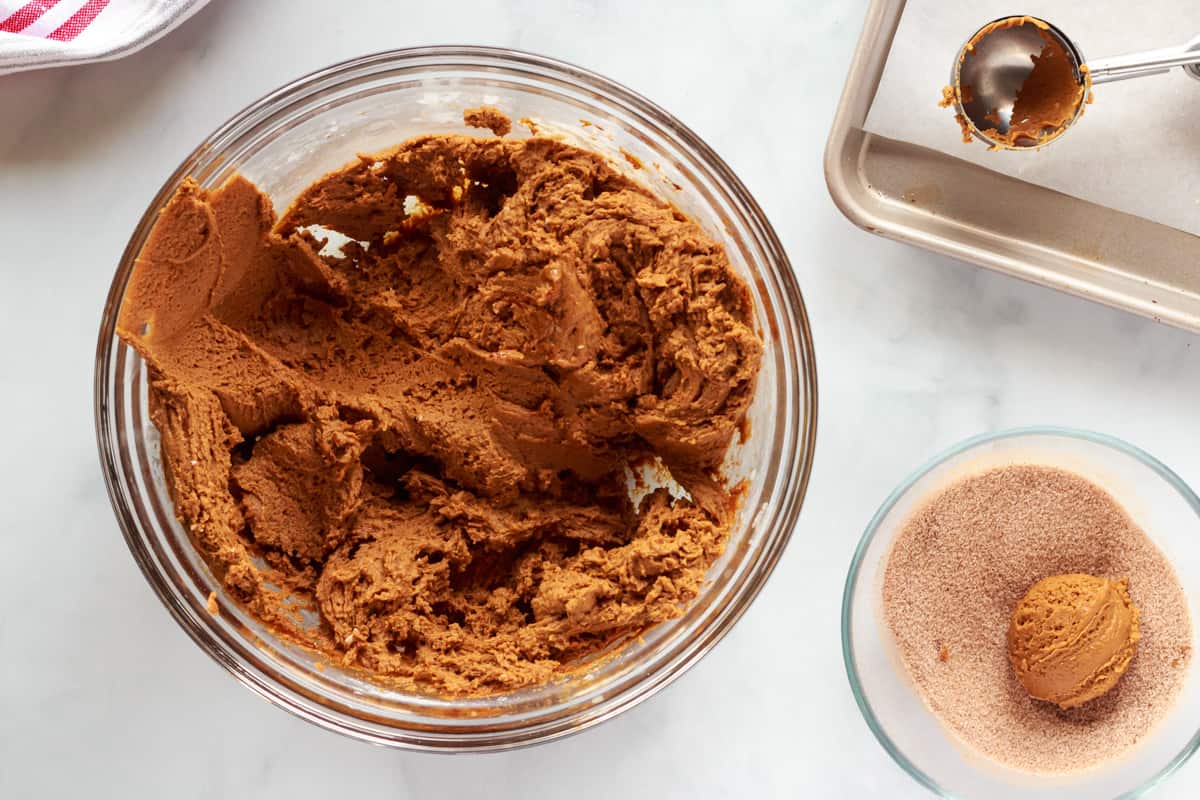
(309,127)
(1155,497)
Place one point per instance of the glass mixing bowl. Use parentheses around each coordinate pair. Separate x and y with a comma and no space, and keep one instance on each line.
(309,127)
(1155,497)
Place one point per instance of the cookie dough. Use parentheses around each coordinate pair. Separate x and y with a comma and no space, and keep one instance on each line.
(488,117)
(412,403)
(1072,637)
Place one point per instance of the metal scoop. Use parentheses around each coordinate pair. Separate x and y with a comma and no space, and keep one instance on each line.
(998,64)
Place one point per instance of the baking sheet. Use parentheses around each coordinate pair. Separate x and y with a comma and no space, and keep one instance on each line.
(949,205)
(1136,149)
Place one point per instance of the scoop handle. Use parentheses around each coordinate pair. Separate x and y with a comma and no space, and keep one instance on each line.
(1150,62)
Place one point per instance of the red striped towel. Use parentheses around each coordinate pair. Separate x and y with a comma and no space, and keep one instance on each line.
(51,33)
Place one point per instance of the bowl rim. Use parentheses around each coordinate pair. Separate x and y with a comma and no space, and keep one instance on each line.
(794,468)
(856,563)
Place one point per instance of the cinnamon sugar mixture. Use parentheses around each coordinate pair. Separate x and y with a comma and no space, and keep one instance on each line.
(961,564)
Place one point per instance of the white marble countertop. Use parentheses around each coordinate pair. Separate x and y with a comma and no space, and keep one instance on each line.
(102,693)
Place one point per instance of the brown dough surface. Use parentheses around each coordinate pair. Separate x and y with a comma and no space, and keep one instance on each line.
(426,435)
(488,117)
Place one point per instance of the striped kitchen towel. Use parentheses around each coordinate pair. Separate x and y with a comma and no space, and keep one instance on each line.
(52,33)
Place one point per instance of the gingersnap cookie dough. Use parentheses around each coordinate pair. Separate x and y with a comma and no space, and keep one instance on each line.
(412,402)
(1072,637)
